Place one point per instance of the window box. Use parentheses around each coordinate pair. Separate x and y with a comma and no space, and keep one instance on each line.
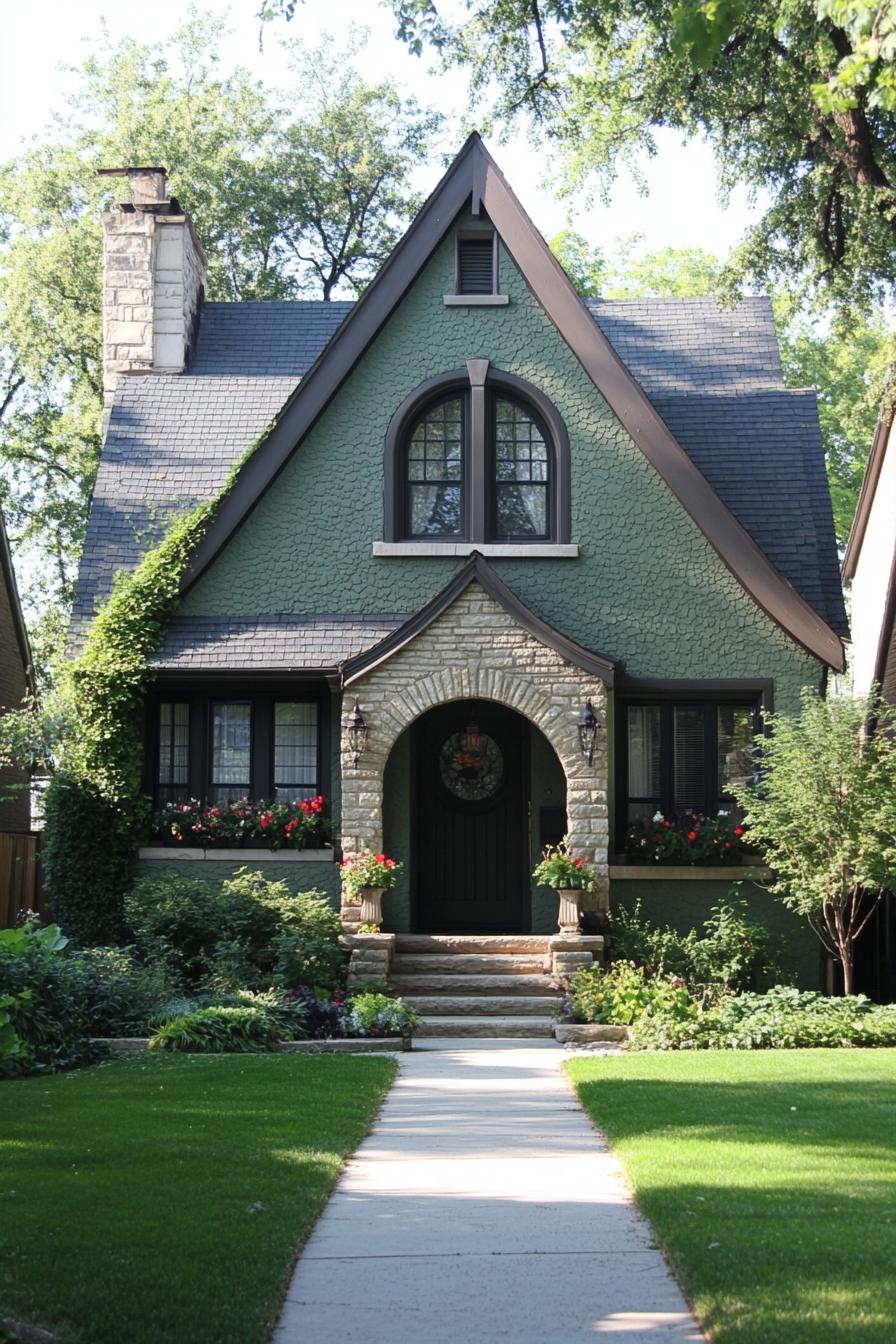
(686,872)
(167,854)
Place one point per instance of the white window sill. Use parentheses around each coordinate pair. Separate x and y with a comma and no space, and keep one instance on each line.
(492,550)
(168,854)
(475,300)
(685,872)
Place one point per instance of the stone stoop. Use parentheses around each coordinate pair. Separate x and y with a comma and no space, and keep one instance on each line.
(480,986)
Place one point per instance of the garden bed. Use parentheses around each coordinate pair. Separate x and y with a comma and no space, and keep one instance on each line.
(118,1045)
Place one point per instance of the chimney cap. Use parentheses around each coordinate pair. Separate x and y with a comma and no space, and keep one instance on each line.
(149,187)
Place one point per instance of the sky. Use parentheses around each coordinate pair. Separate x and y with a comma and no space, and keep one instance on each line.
(37,38)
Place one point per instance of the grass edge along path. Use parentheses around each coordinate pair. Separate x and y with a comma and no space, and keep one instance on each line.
(167,1197)
(769,1179)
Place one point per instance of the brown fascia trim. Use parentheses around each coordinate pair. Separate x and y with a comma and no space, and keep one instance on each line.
(475,176)
(478,570)
(337,359)
(15,607)
(163,675)
(867,494)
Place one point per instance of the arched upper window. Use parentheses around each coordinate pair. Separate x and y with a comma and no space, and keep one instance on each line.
(477,458)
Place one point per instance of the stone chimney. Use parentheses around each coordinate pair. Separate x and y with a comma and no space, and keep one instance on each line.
(153,281)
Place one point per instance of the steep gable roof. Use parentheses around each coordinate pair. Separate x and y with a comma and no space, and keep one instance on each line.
(475,177)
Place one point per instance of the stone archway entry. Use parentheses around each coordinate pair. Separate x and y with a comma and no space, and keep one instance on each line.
(470,870)
(476,641)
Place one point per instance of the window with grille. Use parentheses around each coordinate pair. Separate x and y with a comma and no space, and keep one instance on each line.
(173,773)
(295,751)
(520,474)
(435,472)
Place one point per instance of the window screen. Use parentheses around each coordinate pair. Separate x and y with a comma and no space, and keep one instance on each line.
(295,751)
(735,748)
(435,472)
(231,775)
(689,755)
(172,783)
(521,474)
(475,265)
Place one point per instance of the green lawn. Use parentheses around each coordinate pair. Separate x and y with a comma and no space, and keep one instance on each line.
(165,1198)
(770,1181)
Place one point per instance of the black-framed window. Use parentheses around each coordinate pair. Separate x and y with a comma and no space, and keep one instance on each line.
(262,739)
(516,460)
(173,755)
(675,756)
(296,744)
(520,462)
(435,471)
(230,775)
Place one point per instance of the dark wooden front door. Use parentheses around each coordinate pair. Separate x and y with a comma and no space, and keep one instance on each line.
(472,850)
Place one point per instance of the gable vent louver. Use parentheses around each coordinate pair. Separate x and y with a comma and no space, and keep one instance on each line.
(475,265)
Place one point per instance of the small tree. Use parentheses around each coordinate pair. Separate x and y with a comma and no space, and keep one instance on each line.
(824,815)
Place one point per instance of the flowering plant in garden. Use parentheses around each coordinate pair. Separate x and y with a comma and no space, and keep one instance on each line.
(691,838)
(282,825)
(560,868)
(624,993)
(366,869)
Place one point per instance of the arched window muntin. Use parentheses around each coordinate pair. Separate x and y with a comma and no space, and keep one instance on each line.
(484,403)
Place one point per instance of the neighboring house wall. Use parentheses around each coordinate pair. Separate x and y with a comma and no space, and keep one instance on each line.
(15,803)
(647,587)
(872,571)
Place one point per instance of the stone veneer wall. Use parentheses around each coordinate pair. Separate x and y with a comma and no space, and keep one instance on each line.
(475,651)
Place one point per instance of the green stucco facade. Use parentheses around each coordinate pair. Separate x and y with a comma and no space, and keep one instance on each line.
(646,588)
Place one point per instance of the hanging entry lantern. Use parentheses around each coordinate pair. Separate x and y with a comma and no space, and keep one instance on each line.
(357,733)
(588,726)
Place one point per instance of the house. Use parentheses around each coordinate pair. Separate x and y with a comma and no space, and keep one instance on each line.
(477,509)
(17,846)
(869,568)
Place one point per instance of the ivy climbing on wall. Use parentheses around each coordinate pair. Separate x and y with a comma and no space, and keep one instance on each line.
(95,811)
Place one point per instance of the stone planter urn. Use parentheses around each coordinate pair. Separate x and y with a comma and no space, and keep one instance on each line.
(568,912)
(371,905)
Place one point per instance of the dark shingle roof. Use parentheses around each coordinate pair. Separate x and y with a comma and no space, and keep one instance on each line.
(264,339)
(713,374)
(281,642)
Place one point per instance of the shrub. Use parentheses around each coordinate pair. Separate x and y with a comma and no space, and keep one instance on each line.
(121,995)
(378,1015)
(218,1030)
(733,951)
(624,993)
(249,932)
(86,868)
(782,1019)
(47,1010)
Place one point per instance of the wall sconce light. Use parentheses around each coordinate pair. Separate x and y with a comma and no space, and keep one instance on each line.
(588,727)
(357,733)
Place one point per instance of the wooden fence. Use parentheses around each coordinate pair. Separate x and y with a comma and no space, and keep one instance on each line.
(20,887)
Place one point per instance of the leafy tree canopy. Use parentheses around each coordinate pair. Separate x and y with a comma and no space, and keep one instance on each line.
(797,98)
(824,815)
(296,192)
(846,362)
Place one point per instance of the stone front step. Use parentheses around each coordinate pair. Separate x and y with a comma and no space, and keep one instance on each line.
(472,984)
(454,943)
(470,1005)
(431,963)
(540,1028)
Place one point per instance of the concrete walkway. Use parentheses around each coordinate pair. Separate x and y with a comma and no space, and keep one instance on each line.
(482,1207)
